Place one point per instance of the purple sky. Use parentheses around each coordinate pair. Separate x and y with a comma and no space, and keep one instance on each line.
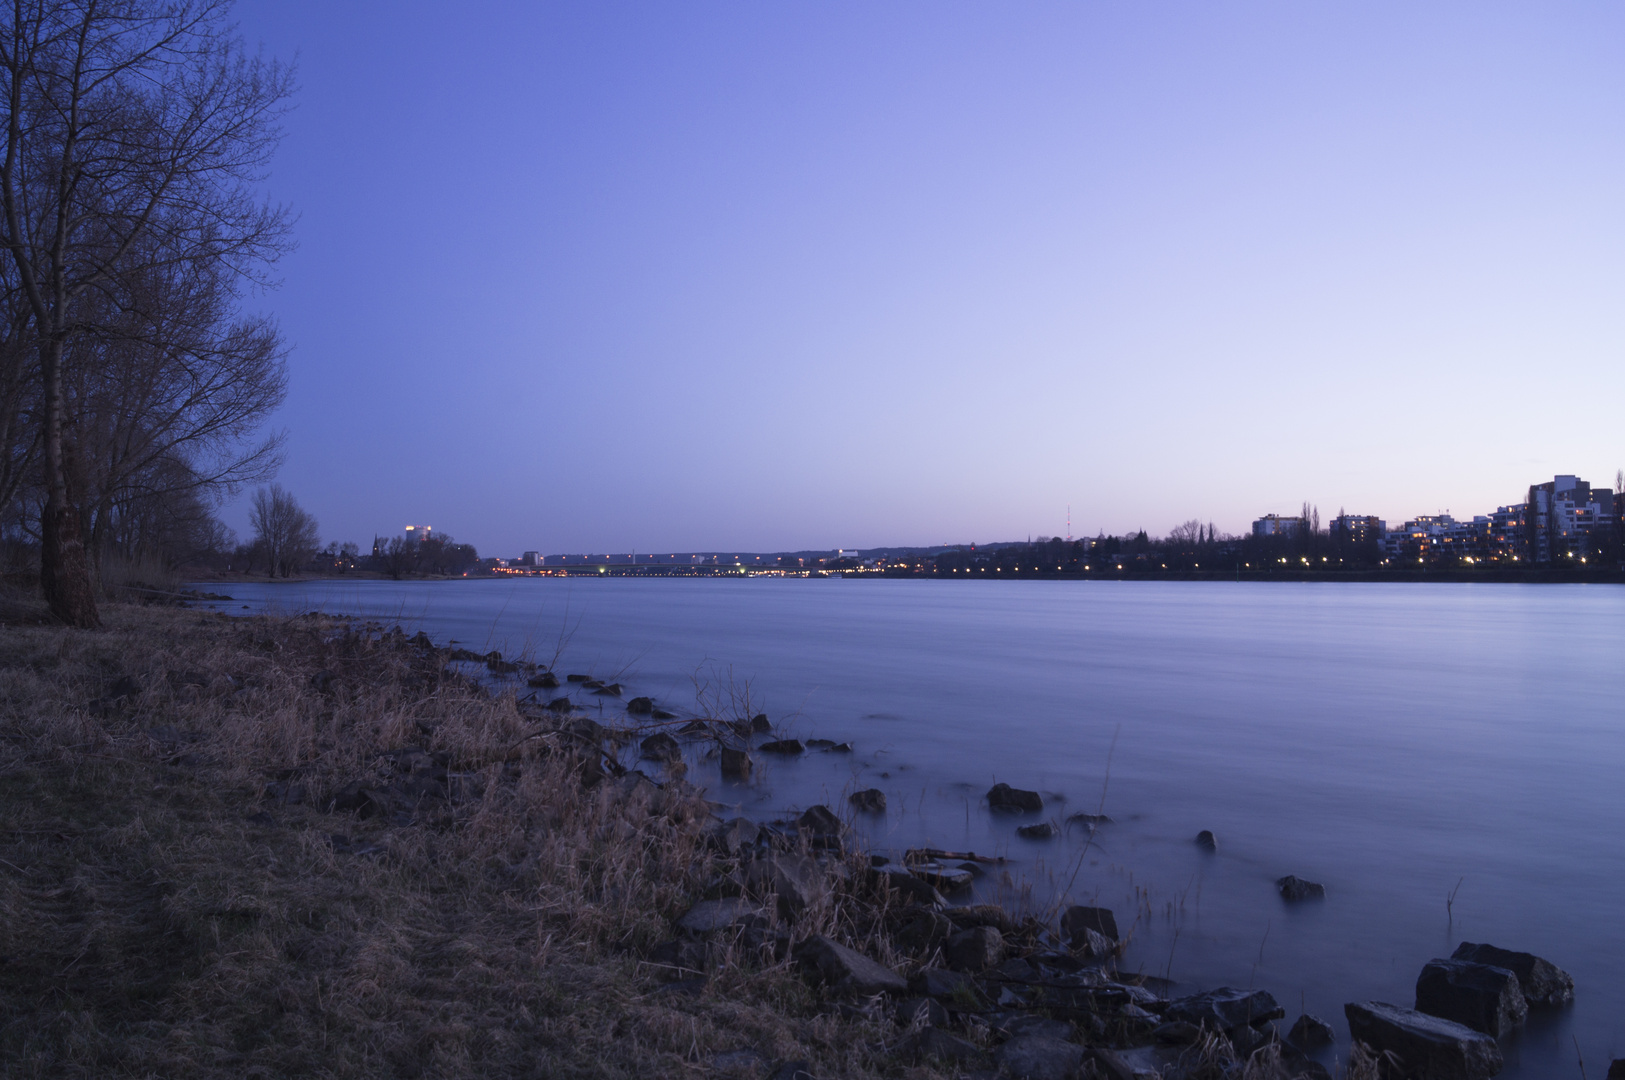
(587,277)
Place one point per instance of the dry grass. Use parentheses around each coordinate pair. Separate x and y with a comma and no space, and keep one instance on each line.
(159,917)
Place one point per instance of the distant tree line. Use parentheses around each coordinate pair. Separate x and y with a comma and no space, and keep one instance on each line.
(133,387)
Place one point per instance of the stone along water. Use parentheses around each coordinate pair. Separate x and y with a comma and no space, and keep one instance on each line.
(1400,744)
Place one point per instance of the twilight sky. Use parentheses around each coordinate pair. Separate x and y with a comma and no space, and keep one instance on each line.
(600,276)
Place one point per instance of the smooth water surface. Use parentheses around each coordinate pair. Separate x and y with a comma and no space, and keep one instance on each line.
(1398,742)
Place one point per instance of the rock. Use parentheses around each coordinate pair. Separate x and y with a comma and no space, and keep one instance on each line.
(841,748)
(1616,1069)
(574,678)
(1482,997)
(638,706)
(743,1060)
(819,820)
(559,705)
(1225,1009)
(921,1012)
(975,950)
(903,881)
(1039,1057)
(1427,1046)
(1077,919)
(820,744)
(1041,831)
(793,1070)
(735,836)
(1089,819)
(1004,797)
(544,680)
(592,684)
(1205,840)
(661,747)
(932,1042)
(869,801)
(1544,984)
(943,984)
(782,746)
(1309,1032)
(797,881)
(838,966)
(681,957)
(951,878)
(925,930)
(759,724)
(1294,888)
(662,714)
(709,916)
(736,764)
(1176,1033)
(975,915)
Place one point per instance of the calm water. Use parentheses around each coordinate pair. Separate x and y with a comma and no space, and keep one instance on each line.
(1391,741)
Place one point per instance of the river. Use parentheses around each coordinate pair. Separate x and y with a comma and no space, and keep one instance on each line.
(1401,743)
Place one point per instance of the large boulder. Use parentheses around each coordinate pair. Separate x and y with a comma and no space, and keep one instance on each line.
(1225,1009)
(842,968)
(1426,1047)
(1004,797)
(1483,997)
(1544,984)
(1311,1032)
(1039,1057)
(943,984)
(976,949)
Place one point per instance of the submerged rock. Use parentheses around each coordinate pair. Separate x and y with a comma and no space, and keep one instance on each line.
(782,746)
(1426,1046)
(736,764)
(759,724)
(640,706)
(1206,840)
(1078,921)
(1543,984)
(1005,797)
(1294,888)
(1041,831)
(544,680)
(1483,997)
(661,747)
(869,801)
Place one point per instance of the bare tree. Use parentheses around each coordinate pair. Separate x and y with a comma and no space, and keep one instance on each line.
(283,530)
(136,133)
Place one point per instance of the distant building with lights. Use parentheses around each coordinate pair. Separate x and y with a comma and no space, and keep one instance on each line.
(1564,515)
(1276,525)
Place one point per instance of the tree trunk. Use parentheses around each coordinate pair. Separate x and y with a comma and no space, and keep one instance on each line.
(64,570)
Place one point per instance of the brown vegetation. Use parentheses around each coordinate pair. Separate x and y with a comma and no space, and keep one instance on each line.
(160,917)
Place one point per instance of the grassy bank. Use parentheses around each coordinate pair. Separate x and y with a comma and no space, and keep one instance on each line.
(160,916)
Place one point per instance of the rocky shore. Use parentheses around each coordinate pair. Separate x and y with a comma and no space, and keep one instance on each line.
(323,847)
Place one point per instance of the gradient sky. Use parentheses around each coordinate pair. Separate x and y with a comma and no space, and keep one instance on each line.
(598,276)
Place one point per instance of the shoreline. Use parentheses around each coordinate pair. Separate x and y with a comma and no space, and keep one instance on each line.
(793,913)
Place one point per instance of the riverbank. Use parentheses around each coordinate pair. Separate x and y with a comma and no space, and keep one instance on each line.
(313,846)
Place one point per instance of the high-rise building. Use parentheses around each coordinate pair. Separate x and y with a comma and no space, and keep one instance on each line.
(1563,516)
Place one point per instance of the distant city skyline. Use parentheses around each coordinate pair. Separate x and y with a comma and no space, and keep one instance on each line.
(777,277)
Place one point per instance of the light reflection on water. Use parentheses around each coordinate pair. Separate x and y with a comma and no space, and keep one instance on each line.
(1390,741)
